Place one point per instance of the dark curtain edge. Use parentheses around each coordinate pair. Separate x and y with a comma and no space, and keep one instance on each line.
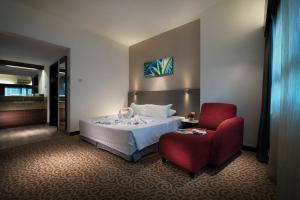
(263,141)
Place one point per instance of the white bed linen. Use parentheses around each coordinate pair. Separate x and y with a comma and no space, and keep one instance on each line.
(127,138)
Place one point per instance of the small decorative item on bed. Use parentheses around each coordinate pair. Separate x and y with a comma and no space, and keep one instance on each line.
(125,113)
(159,67)
(117,120)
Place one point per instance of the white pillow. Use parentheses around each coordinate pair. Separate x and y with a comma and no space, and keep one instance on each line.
(159,111)
(171,112)
(138,109)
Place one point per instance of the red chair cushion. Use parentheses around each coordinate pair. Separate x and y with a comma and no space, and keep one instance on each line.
(190,152)
(212,114)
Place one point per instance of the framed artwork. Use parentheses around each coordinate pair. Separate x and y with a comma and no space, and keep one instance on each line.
(159,67)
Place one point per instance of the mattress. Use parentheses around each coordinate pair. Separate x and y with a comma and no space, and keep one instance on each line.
(127,136)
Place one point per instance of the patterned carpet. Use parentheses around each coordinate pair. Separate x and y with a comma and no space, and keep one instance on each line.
(68,168)
(11,137)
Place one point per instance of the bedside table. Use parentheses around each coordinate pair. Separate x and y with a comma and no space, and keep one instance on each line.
(186,123)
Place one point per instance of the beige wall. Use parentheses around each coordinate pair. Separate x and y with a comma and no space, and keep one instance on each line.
(183,43)
(232,55)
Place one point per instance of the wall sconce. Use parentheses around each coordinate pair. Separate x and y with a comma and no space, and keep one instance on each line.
(187,91)
(134,96)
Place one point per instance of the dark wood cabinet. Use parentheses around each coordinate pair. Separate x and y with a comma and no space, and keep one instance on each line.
(22,110)
(15,118)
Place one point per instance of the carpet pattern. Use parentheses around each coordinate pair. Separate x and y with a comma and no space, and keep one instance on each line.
(11,137)
(69,168)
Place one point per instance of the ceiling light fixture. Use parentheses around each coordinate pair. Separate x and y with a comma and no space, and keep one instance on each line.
(19,67)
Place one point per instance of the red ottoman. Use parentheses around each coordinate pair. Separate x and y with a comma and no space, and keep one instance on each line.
(188,151)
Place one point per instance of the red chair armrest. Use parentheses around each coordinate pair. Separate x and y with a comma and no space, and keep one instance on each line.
(234,123)
(228,138)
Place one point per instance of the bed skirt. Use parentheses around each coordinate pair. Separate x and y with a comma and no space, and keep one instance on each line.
(132,158)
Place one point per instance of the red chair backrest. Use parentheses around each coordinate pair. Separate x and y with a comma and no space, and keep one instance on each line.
(212,114)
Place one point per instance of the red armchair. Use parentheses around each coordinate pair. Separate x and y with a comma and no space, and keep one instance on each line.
(223,139)
(225,130)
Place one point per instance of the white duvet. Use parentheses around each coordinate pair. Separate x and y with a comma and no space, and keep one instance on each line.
(127,136)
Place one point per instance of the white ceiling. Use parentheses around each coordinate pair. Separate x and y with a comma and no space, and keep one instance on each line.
(22,49)
(125,21)
(18,48)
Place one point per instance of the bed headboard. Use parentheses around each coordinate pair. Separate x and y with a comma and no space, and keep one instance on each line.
(184,100)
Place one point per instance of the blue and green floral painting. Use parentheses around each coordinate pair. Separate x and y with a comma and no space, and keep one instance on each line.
(159,67)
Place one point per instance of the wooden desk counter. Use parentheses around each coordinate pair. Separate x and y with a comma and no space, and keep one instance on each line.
(20,111)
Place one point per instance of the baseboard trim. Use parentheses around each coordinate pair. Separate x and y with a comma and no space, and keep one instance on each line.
(248,148)
(74,133)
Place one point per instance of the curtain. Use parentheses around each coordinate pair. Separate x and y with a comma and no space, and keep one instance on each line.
(263,142)
(285,99)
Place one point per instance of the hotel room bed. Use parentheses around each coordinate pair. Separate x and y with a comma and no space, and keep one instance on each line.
(129,139)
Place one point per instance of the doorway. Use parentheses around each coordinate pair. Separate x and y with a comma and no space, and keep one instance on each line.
(53,94)
(25,90)
(58,94)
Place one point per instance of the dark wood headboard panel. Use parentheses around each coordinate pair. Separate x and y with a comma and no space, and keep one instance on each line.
(183,101)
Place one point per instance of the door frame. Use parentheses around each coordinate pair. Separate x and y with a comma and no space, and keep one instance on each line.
(67,98)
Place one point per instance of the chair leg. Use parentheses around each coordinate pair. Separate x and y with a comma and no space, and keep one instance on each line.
(163,159)
(192,174)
